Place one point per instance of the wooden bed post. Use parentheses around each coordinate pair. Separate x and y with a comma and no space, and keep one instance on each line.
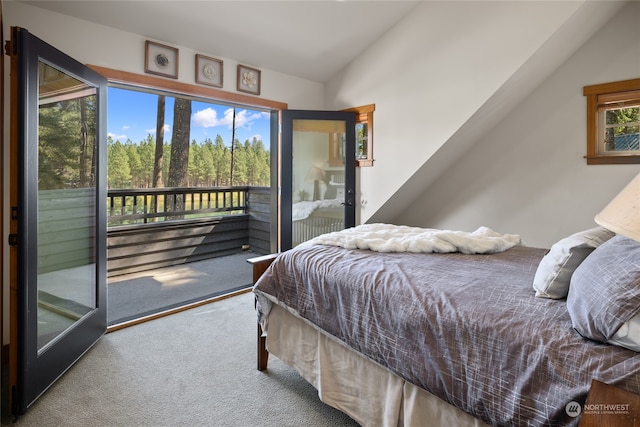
(263,354)
(260,265)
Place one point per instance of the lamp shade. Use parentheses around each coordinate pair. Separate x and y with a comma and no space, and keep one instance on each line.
(315,174)
(622,214)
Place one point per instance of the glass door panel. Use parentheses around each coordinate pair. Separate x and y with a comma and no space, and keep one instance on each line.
(318,174)
(60,169)
(66,279)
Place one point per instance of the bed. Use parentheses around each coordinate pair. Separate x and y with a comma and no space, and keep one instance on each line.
(419,333)
(311,218)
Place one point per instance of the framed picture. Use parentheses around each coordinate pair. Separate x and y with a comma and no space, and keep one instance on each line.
(160,59)
(209,71)
(248,80)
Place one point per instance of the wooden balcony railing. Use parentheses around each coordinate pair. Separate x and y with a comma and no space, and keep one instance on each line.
(153,228)
(141,206)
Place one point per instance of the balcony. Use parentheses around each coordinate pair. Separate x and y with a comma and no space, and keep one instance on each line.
(164,246)
(145,294)
(153,228)
(173,246)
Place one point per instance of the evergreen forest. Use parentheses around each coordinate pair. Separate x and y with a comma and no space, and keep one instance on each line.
(131,165)
(67,147)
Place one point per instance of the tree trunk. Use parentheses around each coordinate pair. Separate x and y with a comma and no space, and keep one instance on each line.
(83,145)
(179,163)
(233,144)
(157,163)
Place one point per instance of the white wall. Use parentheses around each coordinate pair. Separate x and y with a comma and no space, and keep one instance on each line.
(528,175)
(104,46)
(445,71)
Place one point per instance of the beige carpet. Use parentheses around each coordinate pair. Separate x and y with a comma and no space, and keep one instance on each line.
(195,368)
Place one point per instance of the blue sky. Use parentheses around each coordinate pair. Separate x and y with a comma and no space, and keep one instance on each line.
(132,115)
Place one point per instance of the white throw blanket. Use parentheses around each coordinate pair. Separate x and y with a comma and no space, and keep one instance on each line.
(401,238)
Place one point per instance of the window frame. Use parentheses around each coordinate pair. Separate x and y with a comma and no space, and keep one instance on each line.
(364,114)
(139,81)
(143,82)
(625,91)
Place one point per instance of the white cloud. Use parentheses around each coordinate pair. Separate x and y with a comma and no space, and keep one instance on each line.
(209,118)
(115,137)
(153,131)
(244,119)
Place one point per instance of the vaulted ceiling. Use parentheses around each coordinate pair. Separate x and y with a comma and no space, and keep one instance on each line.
(303,38)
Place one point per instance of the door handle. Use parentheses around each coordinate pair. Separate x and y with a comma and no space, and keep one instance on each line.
(348,202)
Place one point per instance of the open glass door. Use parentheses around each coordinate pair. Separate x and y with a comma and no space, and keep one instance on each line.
(318,174)
(60,147)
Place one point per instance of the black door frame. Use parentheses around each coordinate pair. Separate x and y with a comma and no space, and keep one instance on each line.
(37,372)
(288,116)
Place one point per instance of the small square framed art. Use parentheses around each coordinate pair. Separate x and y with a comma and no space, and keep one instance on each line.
(209,71)
(161,60)
(248,80)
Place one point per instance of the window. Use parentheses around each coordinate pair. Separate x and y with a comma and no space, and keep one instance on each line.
(223,190)
(364,134)
(613,122)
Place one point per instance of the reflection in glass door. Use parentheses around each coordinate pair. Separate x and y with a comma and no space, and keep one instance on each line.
(318,174)
(66,280)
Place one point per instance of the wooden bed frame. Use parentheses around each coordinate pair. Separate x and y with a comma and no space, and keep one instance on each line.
(323,219)
(260,265)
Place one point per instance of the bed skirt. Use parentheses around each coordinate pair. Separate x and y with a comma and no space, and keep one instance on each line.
(367,392)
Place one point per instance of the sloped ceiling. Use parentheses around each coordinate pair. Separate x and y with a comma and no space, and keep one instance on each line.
(587,20)
(308,39)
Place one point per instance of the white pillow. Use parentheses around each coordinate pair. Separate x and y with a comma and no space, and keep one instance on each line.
(554,271)
(628,336)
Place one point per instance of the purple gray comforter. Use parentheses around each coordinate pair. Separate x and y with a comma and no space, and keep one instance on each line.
(466,328)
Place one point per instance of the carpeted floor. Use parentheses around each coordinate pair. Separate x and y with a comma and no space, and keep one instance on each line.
(194,368)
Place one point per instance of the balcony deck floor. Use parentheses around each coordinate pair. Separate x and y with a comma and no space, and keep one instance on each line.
(137,295)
